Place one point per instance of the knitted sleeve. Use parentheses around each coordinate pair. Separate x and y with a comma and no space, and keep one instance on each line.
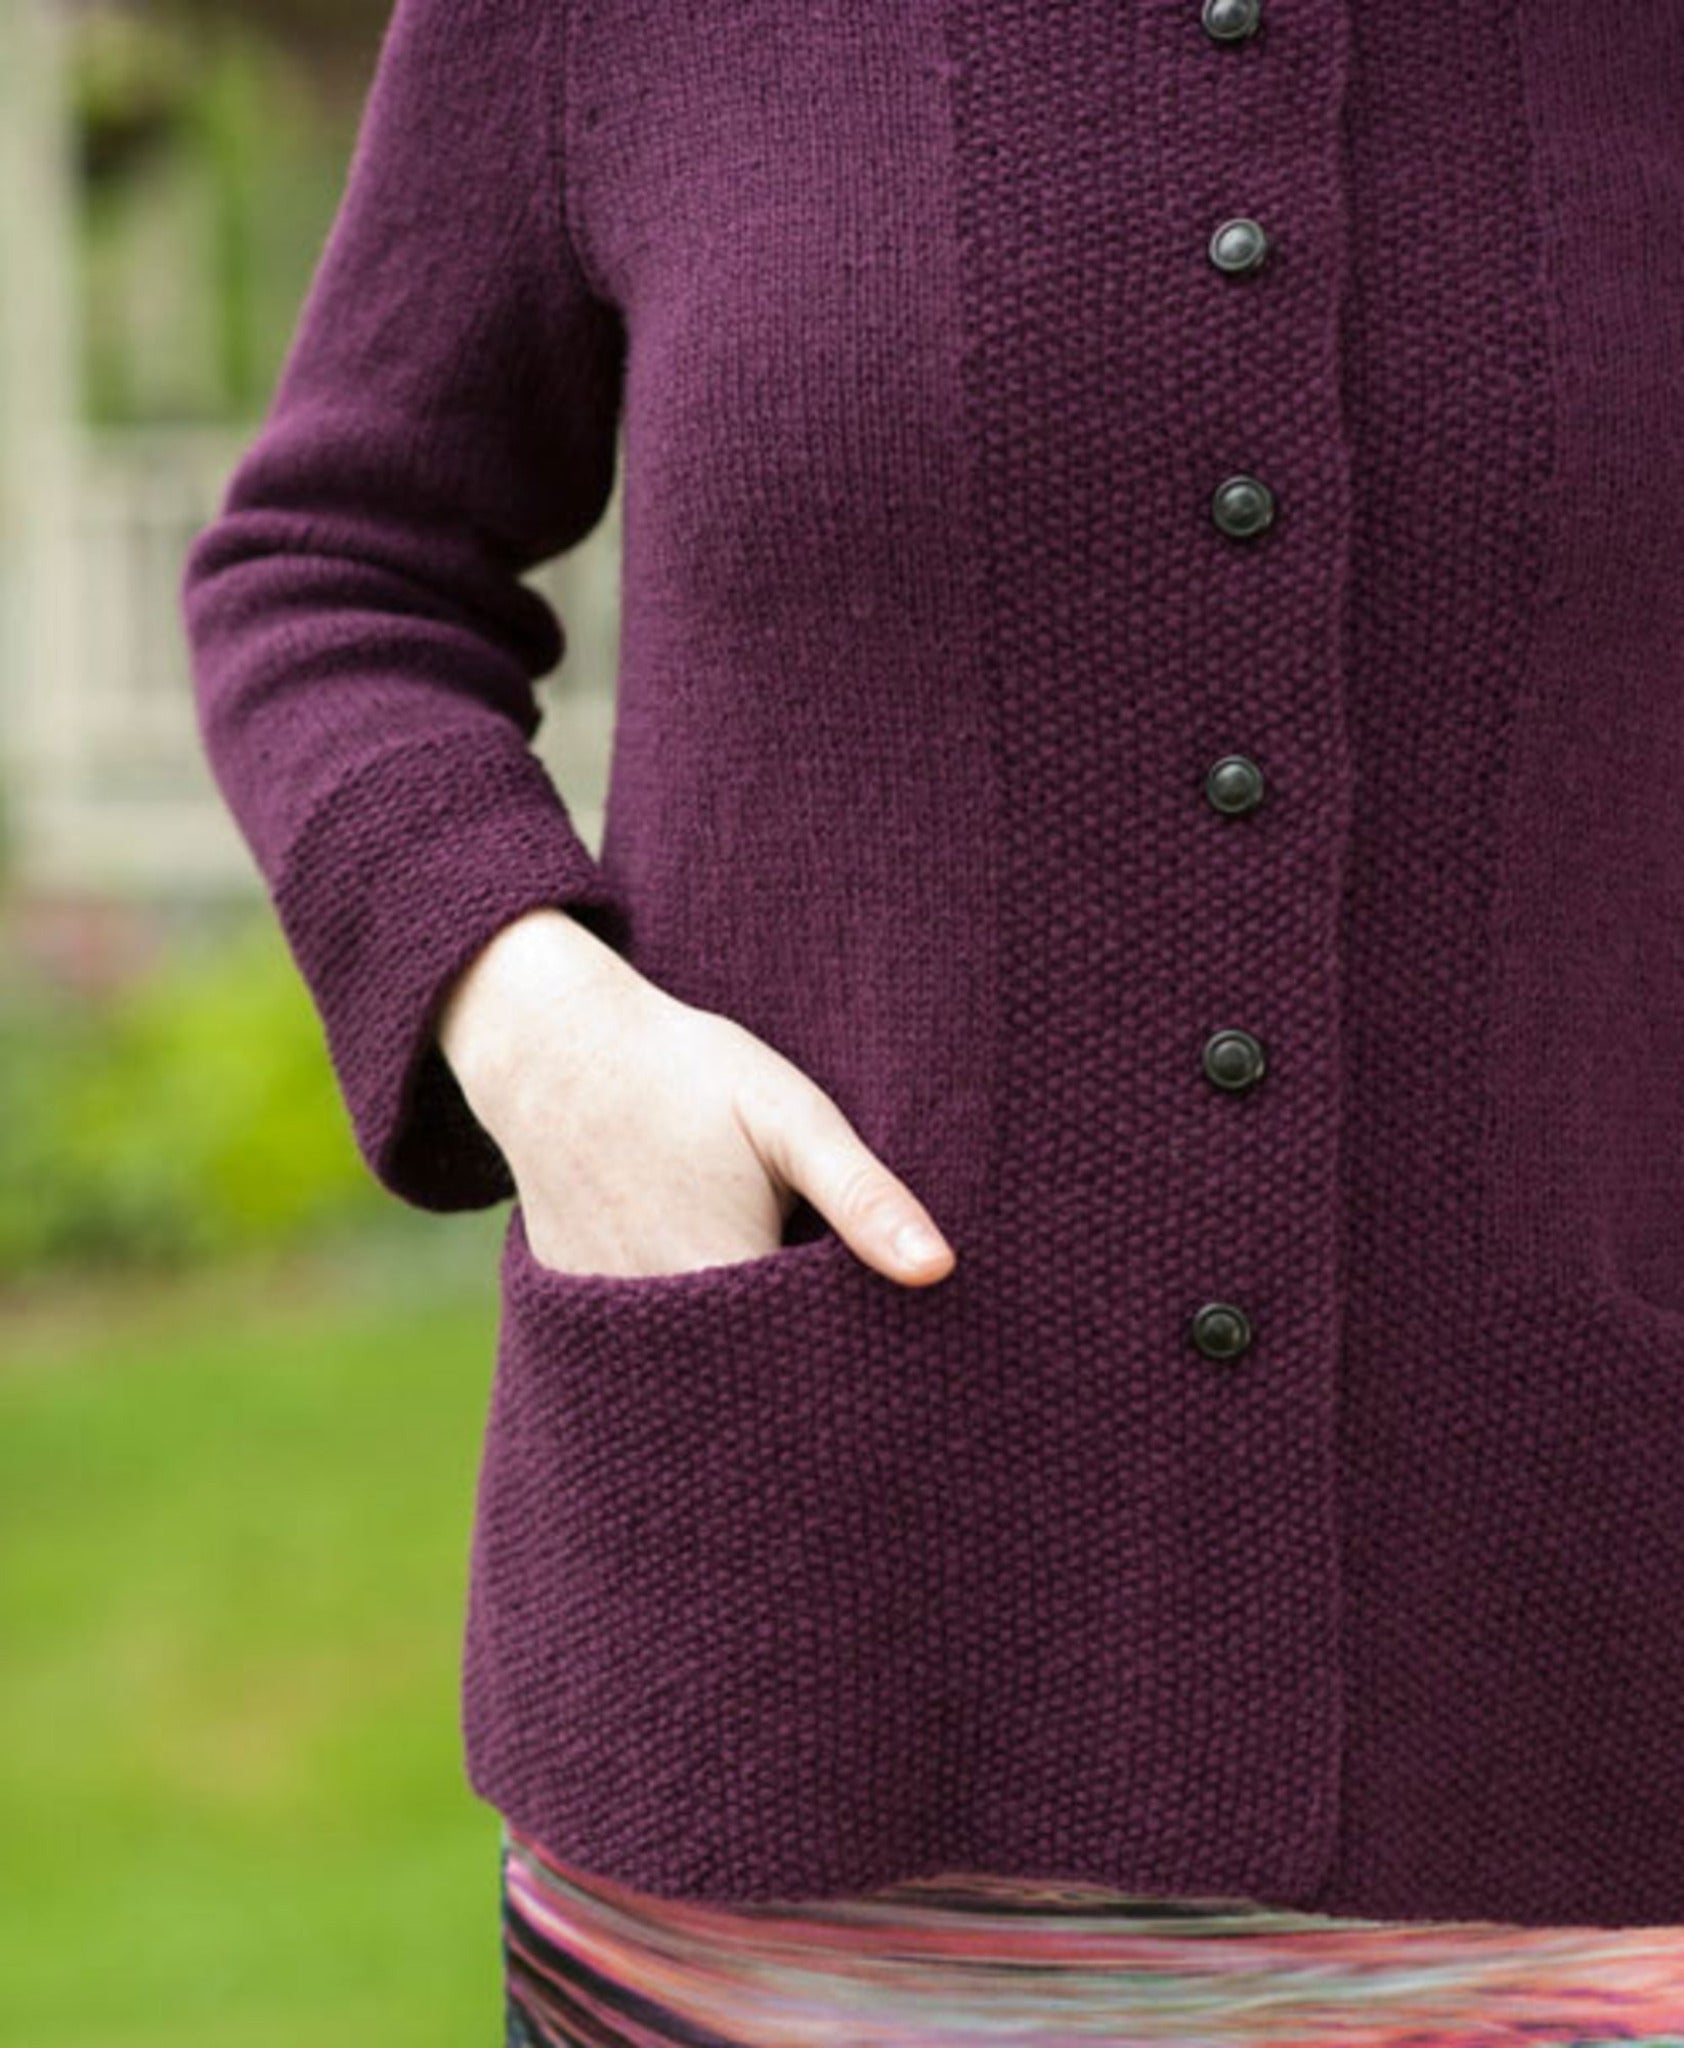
(362,645)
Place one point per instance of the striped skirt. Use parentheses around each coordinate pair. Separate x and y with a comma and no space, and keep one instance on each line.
(984,1960)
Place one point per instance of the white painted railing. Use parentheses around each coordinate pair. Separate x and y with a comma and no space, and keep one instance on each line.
(105,785)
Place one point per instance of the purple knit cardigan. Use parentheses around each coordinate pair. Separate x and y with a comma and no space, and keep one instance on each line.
(1284,1495)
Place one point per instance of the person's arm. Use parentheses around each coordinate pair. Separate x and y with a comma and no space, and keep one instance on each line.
(363,647)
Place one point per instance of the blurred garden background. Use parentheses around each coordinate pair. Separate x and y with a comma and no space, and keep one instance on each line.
(241,1388)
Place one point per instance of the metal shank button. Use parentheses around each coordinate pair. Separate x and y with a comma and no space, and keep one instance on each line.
(1233,1060)
(1231,21)
(1221,1330)
(1238,246)
(1242,507)
(1234,785)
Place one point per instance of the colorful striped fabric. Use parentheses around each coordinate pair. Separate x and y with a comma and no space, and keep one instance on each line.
(972,1959)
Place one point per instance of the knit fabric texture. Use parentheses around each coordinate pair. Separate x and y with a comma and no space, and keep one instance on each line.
(788,1581)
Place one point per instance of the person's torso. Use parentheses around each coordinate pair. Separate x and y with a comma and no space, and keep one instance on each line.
(1259,941)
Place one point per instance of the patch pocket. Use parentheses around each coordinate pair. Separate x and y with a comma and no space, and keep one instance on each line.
(710,1507)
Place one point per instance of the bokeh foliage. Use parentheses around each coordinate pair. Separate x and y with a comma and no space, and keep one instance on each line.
(188,1114)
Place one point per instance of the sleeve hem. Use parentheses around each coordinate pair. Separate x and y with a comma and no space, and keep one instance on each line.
(419,857)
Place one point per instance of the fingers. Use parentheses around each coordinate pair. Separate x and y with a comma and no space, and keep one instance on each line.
(810,1145)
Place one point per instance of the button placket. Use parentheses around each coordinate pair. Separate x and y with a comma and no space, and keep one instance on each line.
(1242,508)
(1135,630)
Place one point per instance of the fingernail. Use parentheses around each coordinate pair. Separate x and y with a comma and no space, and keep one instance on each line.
(917,1244)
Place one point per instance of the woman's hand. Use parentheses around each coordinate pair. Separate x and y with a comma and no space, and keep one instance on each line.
(648,1136)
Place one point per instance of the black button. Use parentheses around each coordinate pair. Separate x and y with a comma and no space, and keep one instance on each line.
(1242,507)
(1221,1330)
(1233,1060)
(1239,246)
(1234,785)
(1231,21)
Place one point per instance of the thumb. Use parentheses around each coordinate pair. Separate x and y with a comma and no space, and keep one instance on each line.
(807,1143)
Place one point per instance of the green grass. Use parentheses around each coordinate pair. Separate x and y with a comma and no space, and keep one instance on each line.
(233,1543)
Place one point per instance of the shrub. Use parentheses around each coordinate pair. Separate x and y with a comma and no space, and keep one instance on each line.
(191,1114)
